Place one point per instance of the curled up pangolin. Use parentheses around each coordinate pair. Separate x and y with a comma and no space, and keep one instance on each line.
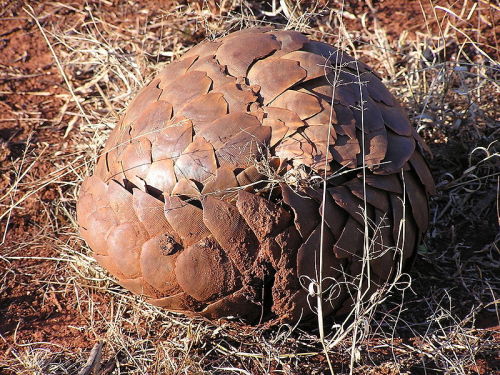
(209,197)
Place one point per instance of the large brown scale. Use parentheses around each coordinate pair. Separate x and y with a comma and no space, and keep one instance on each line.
(208,196)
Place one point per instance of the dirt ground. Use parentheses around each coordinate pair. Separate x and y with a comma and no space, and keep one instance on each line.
(53,310)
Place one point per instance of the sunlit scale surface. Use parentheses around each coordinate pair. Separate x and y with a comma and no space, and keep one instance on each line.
(208,196)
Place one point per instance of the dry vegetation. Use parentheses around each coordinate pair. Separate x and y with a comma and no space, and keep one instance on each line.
(442,317)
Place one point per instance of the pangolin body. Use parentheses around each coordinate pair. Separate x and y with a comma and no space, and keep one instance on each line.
(209,197)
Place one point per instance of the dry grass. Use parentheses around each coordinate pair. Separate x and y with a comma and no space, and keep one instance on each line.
(428,321)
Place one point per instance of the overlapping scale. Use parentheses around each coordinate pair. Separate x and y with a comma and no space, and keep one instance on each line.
(274,76)
(185,88)
(238,53)
(205,272)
